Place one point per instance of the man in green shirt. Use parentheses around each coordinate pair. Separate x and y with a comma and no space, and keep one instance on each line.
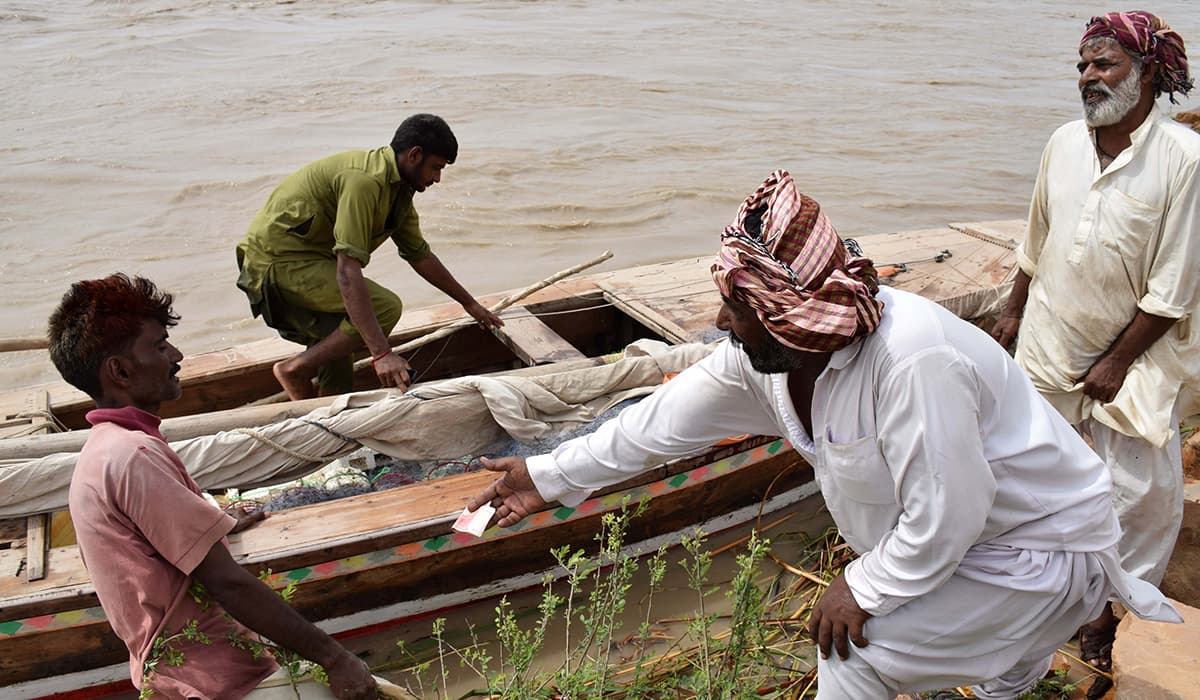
(301,262)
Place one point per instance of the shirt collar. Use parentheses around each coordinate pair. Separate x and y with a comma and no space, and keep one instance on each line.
(128,417)
(840,358)
(1142,132)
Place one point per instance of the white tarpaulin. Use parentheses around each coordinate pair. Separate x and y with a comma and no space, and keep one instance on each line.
(443,420)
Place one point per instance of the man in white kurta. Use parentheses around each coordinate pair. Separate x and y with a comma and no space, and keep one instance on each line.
(983,522)
(1109,284)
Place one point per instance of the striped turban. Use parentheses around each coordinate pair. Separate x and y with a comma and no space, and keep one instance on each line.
(1149,38)
(782,257)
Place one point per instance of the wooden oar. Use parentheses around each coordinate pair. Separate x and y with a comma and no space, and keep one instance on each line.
(458,324)
(16,344)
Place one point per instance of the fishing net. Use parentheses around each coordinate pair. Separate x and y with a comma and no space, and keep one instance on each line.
(366,470)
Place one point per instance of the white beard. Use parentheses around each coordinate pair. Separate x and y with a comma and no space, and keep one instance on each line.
(1117,103)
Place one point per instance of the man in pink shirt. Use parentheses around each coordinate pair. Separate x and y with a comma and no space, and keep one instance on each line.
(154,547)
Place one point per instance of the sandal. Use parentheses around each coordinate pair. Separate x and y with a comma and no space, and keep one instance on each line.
(1095,648)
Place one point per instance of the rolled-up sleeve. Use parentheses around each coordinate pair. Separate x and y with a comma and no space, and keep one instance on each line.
(1174,279)
(357,205)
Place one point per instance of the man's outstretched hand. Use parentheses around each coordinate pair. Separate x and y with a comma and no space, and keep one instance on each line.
(513,495)
(483,316)
(837,618)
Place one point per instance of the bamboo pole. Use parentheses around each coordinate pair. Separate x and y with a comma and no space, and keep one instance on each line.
(179,428)
(453,326)
(18,344)
(192,426)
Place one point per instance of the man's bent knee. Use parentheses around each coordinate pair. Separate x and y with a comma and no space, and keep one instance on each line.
(851,678)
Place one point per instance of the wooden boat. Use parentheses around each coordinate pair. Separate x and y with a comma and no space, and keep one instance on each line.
(385,556)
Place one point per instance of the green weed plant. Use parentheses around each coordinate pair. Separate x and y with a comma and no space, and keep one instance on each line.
(756,650)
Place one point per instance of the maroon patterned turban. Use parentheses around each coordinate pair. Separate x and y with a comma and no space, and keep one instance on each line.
(782,257)
(1148,37)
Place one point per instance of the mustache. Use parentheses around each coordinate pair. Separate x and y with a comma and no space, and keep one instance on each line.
(1096,89)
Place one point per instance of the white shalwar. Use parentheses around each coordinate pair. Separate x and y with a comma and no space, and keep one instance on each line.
(982,520)
(1102,245)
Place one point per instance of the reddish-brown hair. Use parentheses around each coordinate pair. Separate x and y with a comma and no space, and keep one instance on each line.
(101,318)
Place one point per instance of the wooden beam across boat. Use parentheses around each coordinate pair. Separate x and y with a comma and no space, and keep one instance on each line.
(532,340)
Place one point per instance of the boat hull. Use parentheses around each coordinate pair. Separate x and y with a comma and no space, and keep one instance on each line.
(395,576)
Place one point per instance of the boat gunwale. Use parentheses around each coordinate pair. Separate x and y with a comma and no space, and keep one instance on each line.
(48,597)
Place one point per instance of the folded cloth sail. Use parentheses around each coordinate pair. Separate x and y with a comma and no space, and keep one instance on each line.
(443,420)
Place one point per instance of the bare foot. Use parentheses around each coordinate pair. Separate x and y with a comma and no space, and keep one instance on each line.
(296,387)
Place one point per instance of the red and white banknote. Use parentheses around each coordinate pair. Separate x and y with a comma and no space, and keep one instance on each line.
(474,523)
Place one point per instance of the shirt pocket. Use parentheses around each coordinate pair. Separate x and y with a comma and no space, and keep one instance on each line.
(301,228)
(1127,225)
(858,471)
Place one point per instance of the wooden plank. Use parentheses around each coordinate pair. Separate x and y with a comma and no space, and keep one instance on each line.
(62,529)
(12,534)
(679,301)
(66,586)
(36,544)
(533,341)
(520,553)
(676,300)
(17,533)
(310,534)
(25,412)
(37,527)
(16,405)
(92,643)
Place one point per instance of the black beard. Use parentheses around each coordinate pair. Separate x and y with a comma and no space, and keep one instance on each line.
(772,356)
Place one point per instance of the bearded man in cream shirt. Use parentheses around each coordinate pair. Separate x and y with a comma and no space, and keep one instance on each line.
(1109,284)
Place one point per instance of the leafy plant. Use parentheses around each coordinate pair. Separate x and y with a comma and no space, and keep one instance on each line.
(1055,687)
(166,649)
(754,651)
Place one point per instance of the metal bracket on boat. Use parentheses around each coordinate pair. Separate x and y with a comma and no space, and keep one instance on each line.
(940,256)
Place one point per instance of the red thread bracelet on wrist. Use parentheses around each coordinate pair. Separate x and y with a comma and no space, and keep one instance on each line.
(380,356)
